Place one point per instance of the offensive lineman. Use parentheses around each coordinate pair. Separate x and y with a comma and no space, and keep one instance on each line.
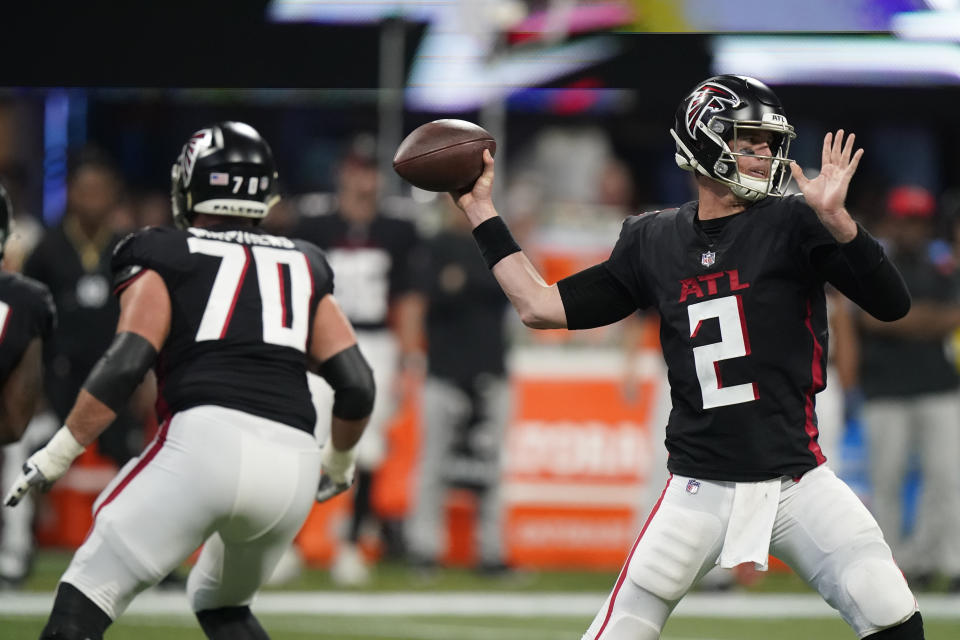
(738,280)
(231,318)
(27,316)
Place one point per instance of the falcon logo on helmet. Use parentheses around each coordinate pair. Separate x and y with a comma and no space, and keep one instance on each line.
(198,143)
(226,170)
(709,98)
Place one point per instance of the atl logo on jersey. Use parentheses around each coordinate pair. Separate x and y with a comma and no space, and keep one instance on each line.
(713,282)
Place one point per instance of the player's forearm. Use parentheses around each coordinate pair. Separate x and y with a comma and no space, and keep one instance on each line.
(11,429)
(538,303)
(480,211)
(862,272)
(345,434)
(21,393)
(88,418)
(15,414)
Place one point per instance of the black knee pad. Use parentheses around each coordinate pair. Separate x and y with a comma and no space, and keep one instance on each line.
(911,629)
(231,623)
(74,617)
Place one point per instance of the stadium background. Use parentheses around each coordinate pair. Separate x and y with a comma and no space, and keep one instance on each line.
(597,81)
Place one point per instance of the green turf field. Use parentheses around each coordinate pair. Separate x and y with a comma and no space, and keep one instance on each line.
(464,628)
(395,580)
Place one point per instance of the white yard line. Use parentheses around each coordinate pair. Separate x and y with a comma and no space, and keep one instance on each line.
(536,604)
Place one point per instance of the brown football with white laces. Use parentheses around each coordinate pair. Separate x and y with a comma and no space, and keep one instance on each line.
(443,155)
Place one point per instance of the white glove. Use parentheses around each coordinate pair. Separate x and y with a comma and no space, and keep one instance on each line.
(338,469)
(46,466)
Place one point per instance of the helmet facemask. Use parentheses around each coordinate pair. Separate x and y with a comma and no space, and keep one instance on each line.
(727,168)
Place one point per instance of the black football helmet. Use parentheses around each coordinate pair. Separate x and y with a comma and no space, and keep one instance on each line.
(717,112)
(6,217)
(226,170)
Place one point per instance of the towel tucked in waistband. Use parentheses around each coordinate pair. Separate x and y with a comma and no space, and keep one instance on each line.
(751,524)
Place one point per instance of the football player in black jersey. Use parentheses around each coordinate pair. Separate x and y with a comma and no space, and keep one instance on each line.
(27,316)
(231,319)
(737,277)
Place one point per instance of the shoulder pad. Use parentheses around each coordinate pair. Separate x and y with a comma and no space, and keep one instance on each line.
(144,235)
(157,248)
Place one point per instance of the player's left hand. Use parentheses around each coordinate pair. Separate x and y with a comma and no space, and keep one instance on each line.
(329,488)
(38,471)
(46,466)
(827,193)
(338,471)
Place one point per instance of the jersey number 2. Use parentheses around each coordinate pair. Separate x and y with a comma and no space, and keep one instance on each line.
(734,343)
(274,298)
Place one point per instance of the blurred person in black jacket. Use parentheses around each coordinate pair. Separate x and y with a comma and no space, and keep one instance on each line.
(466,399)
(73,260)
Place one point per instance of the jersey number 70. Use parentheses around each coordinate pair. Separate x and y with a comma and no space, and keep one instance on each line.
(278,329)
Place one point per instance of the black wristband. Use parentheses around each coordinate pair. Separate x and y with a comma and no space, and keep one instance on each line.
(495,241)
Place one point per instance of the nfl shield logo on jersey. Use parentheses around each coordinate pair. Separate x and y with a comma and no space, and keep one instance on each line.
(693,486)
(707,258)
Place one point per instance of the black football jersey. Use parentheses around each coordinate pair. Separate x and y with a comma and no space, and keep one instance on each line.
(242,305)
(372,262)
(743,332)
(26,312)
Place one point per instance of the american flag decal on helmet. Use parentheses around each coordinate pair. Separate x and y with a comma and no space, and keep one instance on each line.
(706,99)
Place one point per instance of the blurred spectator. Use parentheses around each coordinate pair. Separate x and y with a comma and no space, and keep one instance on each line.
(370,255)
(912,404)
(153,210)
(466,398)
(73,260)
(281,219)
(570,161)
(26,230)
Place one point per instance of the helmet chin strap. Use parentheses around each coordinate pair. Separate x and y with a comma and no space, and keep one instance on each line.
(750,188)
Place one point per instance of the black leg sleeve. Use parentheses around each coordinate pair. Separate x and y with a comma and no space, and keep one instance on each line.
(912,629)
(74,617)
(231,623)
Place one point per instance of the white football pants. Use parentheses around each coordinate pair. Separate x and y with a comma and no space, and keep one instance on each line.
(237,484)
(821,530)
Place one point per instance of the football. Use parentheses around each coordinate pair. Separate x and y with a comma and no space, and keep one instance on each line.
(443,155)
